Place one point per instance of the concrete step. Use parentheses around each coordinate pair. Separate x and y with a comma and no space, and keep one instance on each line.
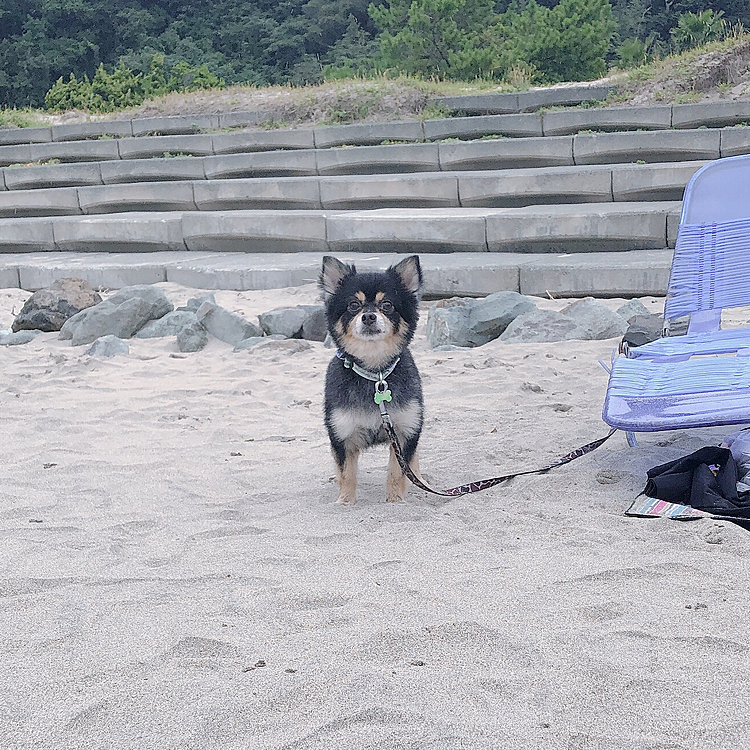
(491,113)
(627,274)
(585,227)
(509,188)
(579,150)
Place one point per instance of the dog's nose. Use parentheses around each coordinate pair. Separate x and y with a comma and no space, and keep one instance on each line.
(369,318)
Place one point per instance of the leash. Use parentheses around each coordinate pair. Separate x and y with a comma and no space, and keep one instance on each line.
(383,395)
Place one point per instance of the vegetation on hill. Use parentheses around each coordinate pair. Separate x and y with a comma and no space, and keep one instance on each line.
(104,55)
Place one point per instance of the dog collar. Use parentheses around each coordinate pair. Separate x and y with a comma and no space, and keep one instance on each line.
(382,393)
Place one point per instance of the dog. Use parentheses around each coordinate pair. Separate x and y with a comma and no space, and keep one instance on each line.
(372,318)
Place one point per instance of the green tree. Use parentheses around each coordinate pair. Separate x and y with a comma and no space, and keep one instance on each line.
(694,29)
(435,37)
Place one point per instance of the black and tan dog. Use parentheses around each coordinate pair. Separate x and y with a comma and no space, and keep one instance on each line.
(372,318)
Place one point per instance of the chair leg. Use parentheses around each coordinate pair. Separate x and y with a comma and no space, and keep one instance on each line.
(632,442)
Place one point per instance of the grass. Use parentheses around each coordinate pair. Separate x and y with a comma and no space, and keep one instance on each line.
(21,118)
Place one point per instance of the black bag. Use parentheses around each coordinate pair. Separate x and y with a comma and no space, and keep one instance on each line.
(705,480)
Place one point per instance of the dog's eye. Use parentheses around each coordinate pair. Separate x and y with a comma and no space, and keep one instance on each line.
(386,306)
(354,306)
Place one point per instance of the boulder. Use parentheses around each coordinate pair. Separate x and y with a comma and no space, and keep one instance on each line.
(284,321)
(543,326)
(226,325)
(17,337)
(315,326)
(490,316)
(47,309)
(108,346)
(121,320)
(448,323)
(168,325)
(632,308)
(158,303)
(596,318)
(643,328)
(192,337)
(195,302)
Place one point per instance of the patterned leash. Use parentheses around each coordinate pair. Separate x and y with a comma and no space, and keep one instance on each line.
(383,395)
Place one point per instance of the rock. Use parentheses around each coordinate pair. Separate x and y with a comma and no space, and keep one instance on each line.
(169,325)
(195,302)
(108,346)
(192,337)
(17,337)
(448,323)
(289,346)
(490,316)
(121,320)
(643,328)
(315,326)
(254,340)
(47,309)
(328,341)
(632,308)
(158,303)
(285,321)
(543,325)
(596,318)
(225,325)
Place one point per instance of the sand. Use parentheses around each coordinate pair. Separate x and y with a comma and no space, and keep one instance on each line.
(176,574)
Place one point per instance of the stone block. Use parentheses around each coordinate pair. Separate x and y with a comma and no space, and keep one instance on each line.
(507,153)
(652,182)
(448,324)
(284,321)
(52,176)
(149,147)
(628,274)
(20,154)
(569,121)
(470,273)
(592,227)
(192,337)
(735,141)
(45,202)
(255,231)
(26,235)
(479,104)
(242,119)
(247,141)
(78,131)
(383,191)
(673,224)
(470,128)
(407,230)
(9,276)
(75,151)
(368,134)
(543,326)
(259,193)
(14,136)
(711,115)
(263,164)
(657,146)
(152,170)
(525,187)
(135,232)
(175,125)
(148,196)
(415,157)
(563,96)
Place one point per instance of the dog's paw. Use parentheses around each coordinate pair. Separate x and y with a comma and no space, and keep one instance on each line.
(346,500)
(394,497)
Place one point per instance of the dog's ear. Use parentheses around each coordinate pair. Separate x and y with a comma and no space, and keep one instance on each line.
(334,271)
(410,273)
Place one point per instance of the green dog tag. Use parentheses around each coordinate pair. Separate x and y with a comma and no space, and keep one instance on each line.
(383,396)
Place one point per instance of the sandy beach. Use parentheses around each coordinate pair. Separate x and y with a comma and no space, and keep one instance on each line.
(175,573)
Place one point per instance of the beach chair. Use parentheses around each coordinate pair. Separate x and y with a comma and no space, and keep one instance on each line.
(702,378)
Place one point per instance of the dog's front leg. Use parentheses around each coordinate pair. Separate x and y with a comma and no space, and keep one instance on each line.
(347,470)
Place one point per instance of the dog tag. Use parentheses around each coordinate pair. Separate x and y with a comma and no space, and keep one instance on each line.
(381,396)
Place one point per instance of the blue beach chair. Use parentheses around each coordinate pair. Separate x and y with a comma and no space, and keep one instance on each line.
(702,378)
